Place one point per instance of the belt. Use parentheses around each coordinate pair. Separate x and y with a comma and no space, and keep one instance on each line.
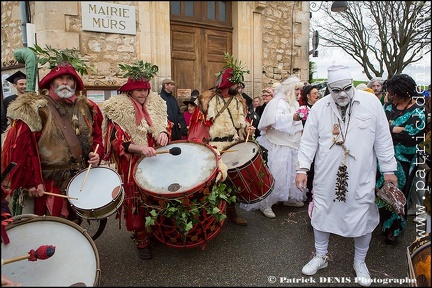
(224,139)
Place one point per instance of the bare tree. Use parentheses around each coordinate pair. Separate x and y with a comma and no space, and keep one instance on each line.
(393,34)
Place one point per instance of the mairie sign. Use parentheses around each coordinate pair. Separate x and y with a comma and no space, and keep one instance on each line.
(107,17)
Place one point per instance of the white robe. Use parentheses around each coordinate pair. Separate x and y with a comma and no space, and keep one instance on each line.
(280,135)
(368,139)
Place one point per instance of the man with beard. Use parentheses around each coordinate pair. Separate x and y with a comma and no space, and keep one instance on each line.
(376,84)
(53,136)
(222,121)
(347,132)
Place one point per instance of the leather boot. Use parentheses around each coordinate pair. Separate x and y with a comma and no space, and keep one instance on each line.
(233,217)
(142,241)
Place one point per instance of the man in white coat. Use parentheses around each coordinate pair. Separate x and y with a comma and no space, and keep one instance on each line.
(348,131)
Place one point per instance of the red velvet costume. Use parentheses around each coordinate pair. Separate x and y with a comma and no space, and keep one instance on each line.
(35,142)
(120,127)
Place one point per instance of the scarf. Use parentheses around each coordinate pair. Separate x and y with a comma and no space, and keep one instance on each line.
(141,112)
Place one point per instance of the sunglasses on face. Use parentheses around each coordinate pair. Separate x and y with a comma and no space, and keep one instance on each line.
(339,90)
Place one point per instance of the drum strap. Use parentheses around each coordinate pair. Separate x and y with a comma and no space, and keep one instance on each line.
(71,139)
(224,107)
(102,224)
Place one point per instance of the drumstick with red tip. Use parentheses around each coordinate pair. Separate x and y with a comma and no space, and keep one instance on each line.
(42,253)
(173,151)
(88,170)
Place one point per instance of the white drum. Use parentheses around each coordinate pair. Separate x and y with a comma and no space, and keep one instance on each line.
(177,176)
(76,259)
(101,195)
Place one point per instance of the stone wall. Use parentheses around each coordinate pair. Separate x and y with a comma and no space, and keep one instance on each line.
(281,46)
(285,41)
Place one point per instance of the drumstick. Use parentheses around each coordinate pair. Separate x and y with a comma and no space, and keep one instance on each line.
(88,170)
(60,195)
(173,151)
(42,253)
(247,137)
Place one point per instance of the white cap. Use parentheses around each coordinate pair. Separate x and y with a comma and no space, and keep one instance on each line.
(338,72)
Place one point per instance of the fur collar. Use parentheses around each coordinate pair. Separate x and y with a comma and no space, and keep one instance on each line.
(120,110)
(26,108)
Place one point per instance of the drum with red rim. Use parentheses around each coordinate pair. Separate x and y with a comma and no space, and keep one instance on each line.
(186,177)
(247,172)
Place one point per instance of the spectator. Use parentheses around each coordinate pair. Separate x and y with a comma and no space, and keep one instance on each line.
(191,106)
(18,80)
(376,84)
(407,122)
(178,124)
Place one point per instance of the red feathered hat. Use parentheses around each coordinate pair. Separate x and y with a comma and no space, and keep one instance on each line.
(224,81)
(135,84)
(61,69)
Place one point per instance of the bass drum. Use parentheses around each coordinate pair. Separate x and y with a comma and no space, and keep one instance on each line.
(75,261)
(419,261)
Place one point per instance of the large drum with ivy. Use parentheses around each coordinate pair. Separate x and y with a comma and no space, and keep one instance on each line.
(180,194)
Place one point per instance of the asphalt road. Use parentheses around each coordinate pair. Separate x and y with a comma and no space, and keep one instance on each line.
(267,252)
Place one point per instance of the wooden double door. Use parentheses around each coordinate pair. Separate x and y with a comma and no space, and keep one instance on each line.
(198,46)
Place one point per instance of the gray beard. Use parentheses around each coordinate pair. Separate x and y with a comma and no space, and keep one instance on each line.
(65,93)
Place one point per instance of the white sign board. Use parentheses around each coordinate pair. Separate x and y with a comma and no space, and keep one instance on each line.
(108,18)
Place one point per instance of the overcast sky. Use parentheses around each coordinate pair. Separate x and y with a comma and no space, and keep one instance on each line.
(420,71)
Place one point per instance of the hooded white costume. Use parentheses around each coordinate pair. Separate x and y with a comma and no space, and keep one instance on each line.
(280,135)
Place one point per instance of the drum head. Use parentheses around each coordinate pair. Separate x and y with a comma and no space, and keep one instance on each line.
(246,151)
(171,174)
(101,187)
(75,259)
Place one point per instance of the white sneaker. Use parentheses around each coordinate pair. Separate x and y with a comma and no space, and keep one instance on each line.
(317,262)
(268,212)
(293,204)
(362,273)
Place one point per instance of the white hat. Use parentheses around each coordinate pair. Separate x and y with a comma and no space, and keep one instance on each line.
(338,72)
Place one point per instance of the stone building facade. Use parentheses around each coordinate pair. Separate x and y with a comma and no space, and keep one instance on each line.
(271,37)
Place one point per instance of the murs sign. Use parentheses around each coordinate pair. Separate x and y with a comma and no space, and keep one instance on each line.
(108,18)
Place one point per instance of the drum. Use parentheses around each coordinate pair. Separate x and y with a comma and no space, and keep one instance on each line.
(419,261)
(247,172)
(181,179)
(180,176)
(101,195)
(76,259)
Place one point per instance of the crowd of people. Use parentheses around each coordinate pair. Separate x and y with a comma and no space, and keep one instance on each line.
(332,151)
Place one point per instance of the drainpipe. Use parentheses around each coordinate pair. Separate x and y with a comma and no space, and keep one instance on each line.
(24,8)
(292,38)
(29,58)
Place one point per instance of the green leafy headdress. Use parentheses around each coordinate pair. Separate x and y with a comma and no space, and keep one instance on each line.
(61,62)
(232,73)
(139,74)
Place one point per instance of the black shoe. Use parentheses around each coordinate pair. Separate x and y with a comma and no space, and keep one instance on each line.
(390,240)
(145,253)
